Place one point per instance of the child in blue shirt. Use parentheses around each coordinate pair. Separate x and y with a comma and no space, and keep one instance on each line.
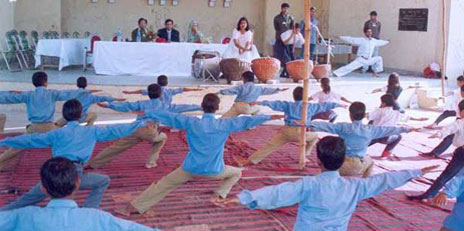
(326,201)
(60,180)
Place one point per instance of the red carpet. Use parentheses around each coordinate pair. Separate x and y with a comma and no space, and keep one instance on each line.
(189,204)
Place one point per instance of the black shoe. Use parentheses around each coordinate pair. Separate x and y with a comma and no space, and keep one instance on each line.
(428,155)
(419,197)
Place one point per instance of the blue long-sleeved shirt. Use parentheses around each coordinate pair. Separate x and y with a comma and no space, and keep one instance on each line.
(65,215)
(248,92)
(293,110)
(314,26)
(356,135)
(206,137)
(167,94)
(455,188)
(152,104)
(40,103)
(73,142)
(326,201)
(87,99)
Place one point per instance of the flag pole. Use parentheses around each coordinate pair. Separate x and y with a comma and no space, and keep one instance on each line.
(444,52)
(308,69)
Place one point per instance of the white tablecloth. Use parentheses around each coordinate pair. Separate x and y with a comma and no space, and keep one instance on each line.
(145,59)
(70,51)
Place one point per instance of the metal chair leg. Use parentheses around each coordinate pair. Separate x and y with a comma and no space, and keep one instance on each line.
(6,61)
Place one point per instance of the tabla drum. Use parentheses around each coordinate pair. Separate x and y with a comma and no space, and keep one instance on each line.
(234,68)
(265,68)
(205,60)
(296,69)
(322,71)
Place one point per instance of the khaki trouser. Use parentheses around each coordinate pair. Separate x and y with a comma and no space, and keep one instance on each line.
(89,120)
(285,135)
(157,191)
(150,134)
(12,153)
(354,166)
(241,108)
(2,122)
(445,229)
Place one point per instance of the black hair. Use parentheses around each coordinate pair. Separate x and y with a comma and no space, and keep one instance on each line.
(248,76)
(210,103)
(39,79)
(72,110)
(460,78)
(388,100)
(142,19)
(81,82)
(243,19)
(296,25)
(285,5)
(357,111)
(298,94)
(393,80)
(366,29)
(59,177)
(325,84)
(313,8)
(169,20)
(373,13)
(331,152)
(461,105)
(154,91)
(163,80)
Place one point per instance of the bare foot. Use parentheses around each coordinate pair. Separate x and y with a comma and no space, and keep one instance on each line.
(217,201)
(241,161)
(149,214)
(431,126)
(126,211)
(88,167)
(151,165)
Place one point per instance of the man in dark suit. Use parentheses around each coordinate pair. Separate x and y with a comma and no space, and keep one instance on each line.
(169,33)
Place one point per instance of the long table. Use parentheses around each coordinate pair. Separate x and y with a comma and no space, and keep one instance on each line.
(147,59)
(70,51)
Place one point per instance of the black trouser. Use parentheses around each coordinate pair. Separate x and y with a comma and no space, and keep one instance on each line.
(281,53)
(443,145)
(445,115)
(453,168)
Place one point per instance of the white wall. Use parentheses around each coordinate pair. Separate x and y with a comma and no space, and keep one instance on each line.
(40,15)
(6,19)
(455,56)
(408,50)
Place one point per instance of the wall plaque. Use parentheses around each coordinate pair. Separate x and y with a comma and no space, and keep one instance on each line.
(413,19)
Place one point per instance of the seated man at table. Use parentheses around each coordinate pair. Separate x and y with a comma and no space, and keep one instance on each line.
(169,33)
(142,29)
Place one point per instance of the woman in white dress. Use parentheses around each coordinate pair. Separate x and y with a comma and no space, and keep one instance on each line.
(241,45)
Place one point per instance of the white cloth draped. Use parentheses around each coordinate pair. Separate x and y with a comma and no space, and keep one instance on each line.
(70,51)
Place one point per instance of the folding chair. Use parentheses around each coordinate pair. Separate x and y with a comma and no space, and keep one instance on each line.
(76,34)
(46,35)
(65,35)
(26,48)
(34,39)
(12,50)
(54,35)
(89,53)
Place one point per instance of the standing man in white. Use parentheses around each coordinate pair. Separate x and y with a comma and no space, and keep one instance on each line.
(365,56)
